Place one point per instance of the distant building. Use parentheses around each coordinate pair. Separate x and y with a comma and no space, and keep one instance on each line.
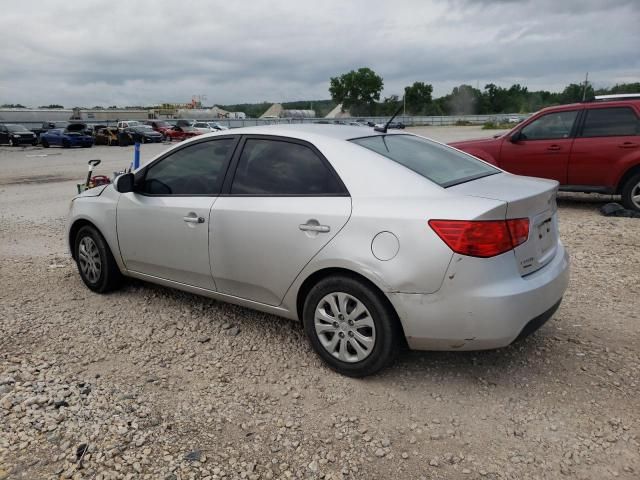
(298,114)
(338,113)
(202,113)
(34,115)
(274,111)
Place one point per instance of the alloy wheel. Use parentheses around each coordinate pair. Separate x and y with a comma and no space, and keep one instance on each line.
(635,195)
(89,258)
(345,327)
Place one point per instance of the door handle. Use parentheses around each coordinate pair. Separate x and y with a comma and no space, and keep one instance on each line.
(554,147)
(628,145)
(307,227)
(193,219)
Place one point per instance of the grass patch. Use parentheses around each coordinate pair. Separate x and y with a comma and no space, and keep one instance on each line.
(497,126)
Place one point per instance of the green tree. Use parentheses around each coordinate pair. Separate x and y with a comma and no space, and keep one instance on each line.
(463,100)
(52,106)
(574,93)
(357,90)
(417,97)
(388,106)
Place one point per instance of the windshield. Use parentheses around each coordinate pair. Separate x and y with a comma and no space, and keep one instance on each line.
(440,164)
(145,128)
(16,128)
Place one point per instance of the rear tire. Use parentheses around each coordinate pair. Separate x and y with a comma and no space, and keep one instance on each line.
(66,144)
(631,193)
(96,265)
(362,337)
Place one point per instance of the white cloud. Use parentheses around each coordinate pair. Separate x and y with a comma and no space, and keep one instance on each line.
(81,53)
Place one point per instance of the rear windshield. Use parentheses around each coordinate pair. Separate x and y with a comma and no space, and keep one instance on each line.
(440,164)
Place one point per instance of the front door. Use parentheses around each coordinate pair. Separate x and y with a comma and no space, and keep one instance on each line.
(543,149)
(283,205)
(163,226)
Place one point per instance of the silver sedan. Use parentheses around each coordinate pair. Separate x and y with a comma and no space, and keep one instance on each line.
(372,239)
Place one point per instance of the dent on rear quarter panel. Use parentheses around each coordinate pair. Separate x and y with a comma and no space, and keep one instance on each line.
(423,258)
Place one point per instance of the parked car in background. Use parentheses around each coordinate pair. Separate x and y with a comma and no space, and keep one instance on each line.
(143,134)
(396,125)
(127,123)
(106,136)
(431,246)
(180,133)
(159,126)
(216,126)
(16,135)
(586,147)
(203,127)
(65,138)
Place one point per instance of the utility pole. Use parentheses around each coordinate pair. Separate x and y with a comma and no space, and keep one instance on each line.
(584,90)
(404,103)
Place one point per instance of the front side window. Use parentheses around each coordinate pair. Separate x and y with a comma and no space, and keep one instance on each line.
(440,164)
(272,167)
(610,122)
(197,169)
(551,126)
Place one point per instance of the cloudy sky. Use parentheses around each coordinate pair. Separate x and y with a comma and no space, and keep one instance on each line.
(145,52)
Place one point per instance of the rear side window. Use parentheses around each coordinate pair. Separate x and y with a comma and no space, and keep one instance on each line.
(551,126)
(610,122)
(440,164)
(194,170)
(272,167)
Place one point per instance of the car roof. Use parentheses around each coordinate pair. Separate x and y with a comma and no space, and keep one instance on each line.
(594,103)
(307,131)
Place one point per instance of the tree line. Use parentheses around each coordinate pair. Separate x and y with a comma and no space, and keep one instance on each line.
(359,92)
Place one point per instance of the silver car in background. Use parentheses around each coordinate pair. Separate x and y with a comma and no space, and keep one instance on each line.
(371,239)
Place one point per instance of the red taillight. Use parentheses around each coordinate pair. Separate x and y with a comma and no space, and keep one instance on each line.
(481,238)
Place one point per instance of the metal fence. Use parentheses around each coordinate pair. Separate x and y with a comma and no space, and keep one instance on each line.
(410,121)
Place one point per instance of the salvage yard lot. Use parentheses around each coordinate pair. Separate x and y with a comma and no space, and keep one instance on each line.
(149,382)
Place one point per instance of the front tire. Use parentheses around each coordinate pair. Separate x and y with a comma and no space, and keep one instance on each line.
(45,144)
(98,269)
(631,193)
(66,144)
(351,326)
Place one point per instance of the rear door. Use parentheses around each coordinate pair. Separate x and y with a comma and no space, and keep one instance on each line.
(544,147)
(284,203)
(607,136)
(164,225)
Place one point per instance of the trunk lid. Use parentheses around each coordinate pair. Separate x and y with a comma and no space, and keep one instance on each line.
(526,197)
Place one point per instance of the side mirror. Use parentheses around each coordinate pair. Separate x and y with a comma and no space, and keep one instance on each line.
(516,137)
(124,183)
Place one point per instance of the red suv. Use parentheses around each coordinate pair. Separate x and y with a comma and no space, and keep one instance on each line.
(587,147)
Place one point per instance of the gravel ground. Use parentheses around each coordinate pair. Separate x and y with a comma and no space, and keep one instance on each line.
(149,382)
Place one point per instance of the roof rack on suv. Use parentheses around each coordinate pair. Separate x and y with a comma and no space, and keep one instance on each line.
(617,96)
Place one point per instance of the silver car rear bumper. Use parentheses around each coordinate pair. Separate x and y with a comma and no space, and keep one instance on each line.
(483,303)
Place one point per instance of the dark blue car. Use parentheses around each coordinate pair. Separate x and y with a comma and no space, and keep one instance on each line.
(65,138)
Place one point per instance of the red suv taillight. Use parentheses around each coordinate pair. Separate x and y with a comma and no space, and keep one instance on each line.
(482,238)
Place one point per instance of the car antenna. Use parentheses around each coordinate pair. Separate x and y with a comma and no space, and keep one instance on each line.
(386,126)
